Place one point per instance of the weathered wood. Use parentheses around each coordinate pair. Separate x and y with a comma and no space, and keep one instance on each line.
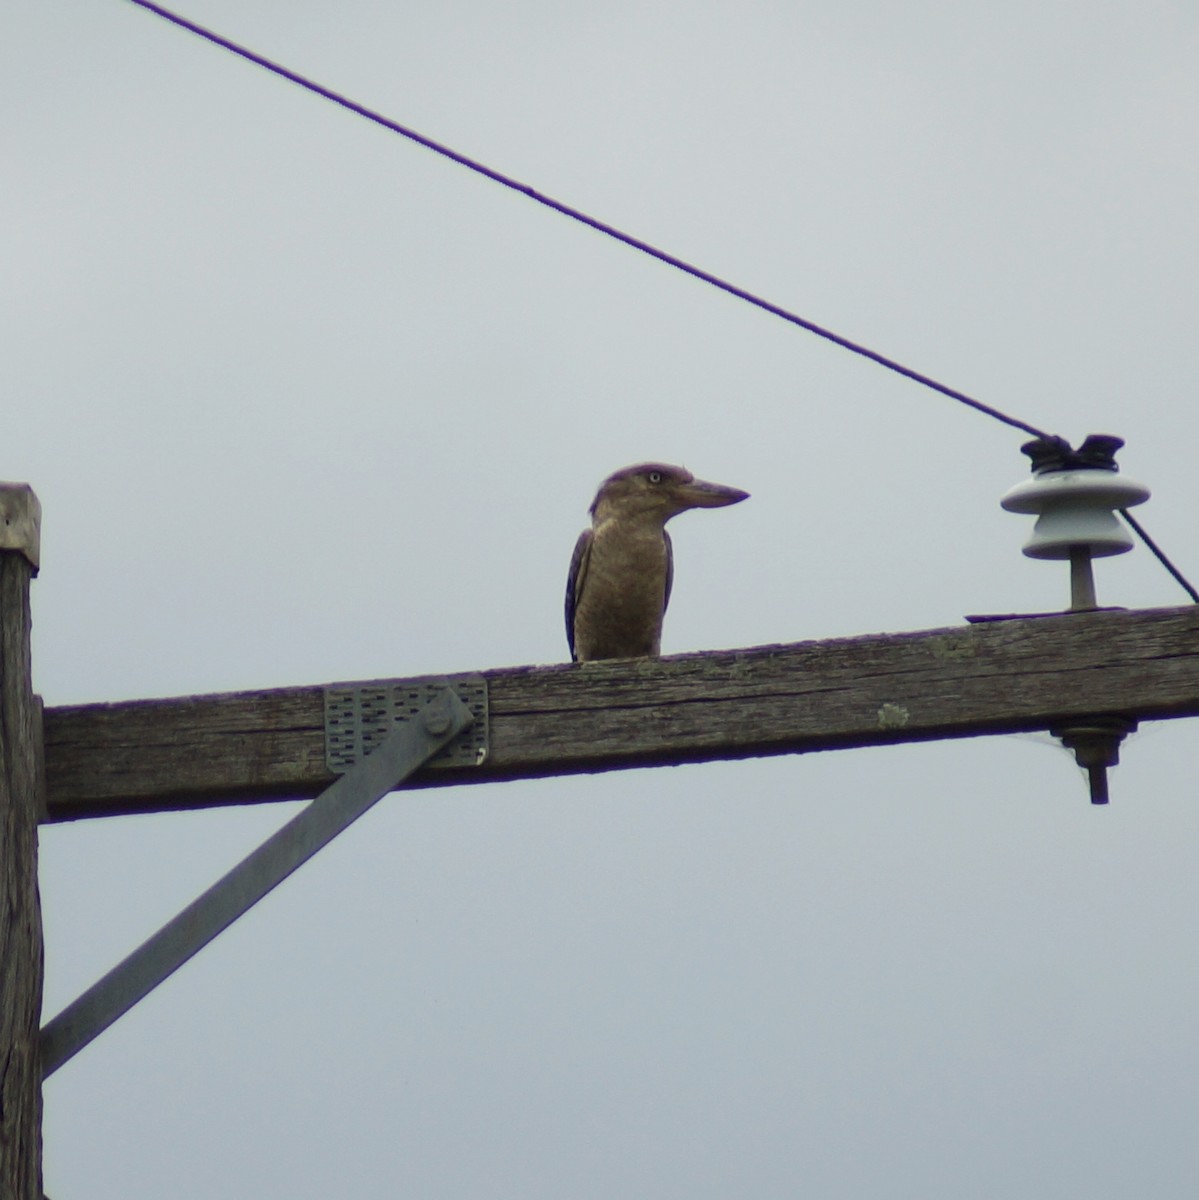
(20,912)
(999,677)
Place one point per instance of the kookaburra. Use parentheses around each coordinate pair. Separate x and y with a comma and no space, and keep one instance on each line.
(622,568)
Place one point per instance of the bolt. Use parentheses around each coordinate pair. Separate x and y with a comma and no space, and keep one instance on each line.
(437,720)
(1096,746)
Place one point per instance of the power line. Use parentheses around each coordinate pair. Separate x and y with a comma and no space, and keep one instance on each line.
(583,218)
(1159,554)
(611,231)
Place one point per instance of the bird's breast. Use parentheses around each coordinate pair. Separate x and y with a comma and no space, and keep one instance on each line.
(619,613)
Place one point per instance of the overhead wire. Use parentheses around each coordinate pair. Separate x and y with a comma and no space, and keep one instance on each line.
(635,243)
(1159,554)
(575,214)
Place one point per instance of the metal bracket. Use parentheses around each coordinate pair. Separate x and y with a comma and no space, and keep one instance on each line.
(361,716)
(338,806)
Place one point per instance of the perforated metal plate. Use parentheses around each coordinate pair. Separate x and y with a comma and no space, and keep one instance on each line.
(358,718)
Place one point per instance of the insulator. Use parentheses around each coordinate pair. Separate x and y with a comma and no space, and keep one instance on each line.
(1075,502)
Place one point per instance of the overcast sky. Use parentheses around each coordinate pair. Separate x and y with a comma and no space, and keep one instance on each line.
(304,402)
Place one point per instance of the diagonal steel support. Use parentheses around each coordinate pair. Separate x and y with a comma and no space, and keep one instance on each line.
(333,810)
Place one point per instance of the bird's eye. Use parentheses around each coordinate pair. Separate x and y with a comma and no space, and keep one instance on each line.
(655,477)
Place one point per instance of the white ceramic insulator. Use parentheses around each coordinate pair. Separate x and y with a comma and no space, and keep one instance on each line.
(1076,509)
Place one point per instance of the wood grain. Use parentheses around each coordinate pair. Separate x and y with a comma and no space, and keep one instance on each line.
(20,911)
(998,677)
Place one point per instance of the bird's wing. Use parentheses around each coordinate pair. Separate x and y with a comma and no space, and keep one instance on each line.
(574,584)
(669,569)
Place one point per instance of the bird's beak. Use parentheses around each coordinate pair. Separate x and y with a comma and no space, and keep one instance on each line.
(699,493)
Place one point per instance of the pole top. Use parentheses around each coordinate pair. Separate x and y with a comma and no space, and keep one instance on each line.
(21,522)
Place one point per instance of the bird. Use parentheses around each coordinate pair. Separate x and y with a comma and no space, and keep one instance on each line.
(622,568)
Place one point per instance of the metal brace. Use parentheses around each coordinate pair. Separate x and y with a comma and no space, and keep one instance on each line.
(338,806)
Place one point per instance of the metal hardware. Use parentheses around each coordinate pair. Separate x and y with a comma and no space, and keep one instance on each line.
(358,717)
(1096,745)
(337,807)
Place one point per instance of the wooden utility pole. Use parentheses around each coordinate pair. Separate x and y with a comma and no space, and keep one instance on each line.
(20,808)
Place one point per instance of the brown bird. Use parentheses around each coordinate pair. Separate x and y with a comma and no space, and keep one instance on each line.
(623,566)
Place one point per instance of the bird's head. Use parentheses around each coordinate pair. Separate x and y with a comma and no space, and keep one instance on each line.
(658,490)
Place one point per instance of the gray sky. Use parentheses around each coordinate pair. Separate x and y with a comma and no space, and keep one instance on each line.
(304,402)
